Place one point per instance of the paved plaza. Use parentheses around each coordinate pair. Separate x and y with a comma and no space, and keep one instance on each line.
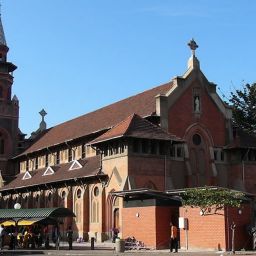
(108,249)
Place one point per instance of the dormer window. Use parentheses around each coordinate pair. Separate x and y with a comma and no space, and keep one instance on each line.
(48,171)
(26,176)
(75,165)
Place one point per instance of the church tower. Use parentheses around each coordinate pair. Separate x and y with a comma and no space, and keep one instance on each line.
(9,110)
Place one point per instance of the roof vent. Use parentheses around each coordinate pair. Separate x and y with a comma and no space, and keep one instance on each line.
(48,171)
(26,176)
(75,165)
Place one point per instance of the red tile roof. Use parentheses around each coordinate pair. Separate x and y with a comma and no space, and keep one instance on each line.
(90,167)
(143,104)
(135,126)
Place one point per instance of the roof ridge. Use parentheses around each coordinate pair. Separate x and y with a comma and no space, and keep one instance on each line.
(102,119)
(106,106)
(132,118)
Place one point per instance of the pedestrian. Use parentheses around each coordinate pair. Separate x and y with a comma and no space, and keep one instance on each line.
(70,237)
(56,236)
(174,238)
(115,234)
(2,234)
(12,237)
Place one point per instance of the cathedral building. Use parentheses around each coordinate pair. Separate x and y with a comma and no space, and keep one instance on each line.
(173,136)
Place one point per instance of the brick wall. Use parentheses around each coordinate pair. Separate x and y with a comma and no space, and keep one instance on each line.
(142,227)
(242,219)
(165,215)
(213,231)
(178,122)
(150,224)
(204,232)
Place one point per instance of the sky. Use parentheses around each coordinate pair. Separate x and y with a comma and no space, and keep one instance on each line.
(75,56)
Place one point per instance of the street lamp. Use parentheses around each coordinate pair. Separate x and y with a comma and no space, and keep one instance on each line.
(17,206)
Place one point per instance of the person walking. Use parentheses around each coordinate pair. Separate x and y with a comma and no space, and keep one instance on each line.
(2,234)
(56,236)
(70,237)
(174,238)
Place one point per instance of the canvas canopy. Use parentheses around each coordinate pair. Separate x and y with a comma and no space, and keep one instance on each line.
(30,216)
(8,223)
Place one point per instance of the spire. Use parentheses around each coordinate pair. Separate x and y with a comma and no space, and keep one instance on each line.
(193,62)
(2,36)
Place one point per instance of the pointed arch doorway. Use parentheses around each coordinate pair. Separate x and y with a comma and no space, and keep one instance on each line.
(113,215)
(199,143)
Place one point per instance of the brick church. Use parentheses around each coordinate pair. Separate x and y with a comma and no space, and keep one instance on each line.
(156,143)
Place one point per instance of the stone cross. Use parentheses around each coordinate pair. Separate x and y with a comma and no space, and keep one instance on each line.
(192,45)
(43,114)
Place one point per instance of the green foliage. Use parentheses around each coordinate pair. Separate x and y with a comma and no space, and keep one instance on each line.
(244,107)
(211,199)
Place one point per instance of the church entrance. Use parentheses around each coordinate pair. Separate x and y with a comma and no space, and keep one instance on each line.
(199,158)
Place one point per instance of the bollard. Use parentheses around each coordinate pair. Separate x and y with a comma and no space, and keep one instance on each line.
(120,245)
(92,243)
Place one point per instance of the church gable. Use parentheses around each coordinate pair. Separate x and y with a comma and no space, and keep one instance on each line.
(193,100)
(196,106)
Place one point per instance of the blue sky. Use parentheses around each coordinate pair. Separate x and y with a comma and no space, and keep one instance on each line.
(75,56)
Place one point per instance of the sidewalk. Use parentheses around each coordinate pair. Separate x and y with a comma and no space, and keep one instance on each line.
(108,249)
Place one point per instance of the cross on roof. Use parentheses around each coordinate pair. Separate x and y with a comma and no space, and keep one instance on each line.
(43,114)
(192,45)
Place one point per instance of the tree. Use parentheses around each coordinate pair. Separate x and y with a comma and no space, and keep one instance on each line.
(210,200)
(244,107)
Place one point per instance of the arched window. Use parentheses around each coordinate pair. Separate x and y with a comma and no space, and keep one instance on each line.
(63,198)
(37,201)
(95,205)
(49,200)
(78,204)
(2,149)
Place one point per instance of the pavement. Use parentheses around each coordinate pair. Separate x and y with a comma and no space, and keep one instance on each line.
(108,249)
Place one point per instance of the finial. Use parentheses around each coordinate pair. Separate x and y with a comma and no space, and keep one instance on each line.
(43,114)
(192,45)
(42,125)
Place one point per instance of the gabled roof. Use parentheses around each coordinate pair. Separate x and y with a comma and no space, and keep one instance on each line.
(143,104)
(90,168)
(137,127)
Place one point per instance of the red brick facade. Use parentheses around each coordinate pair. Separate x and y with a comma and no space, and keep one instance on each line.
(152,224)
(171,137)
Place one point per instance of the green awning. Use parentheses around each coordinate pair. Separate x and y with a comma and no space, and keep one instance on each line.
(19,214)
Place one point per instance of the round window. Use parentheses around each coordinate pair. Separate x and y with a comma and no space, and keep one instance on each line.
(96,191)
(197,139)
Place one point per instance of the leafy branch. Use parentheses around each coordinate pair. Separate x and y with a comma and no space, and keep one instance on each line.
(211,200)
